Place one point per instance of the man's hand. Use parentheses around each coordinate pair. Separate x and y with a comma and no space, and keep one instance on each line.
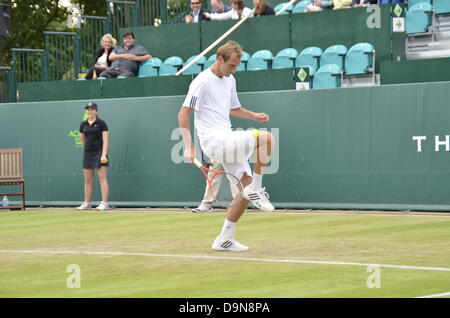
(261,118)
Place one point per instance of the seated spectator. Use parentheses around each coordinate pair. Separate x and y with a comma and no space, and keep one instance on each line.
(197,13)
(126,58)
(314,6)
(341,4)
(262,8)
(219,7)
(101,57)
(238,11)
(363,3)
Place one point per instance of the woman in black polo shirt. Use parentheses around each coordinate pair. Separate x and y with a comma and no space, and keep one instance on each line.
(94,135)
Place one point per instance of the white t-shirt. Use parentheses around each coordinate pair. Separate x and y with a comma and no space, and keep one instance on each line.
(212,98)
(102,60)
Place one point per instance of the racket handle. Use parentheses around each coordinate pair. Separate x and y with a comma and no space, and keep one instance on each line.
(197,163)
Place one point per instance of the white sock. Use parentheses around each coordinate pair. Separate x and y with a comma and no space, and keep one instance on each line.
(228,229)
(257,181)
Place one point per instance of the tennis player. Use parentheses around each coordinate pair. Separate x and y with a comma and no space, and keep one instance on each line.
(213,98)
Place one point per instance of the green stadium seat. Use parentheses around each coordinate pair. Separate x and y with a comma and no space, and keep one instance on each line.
(196,67)
(418,19)
(412,3)
(328,76)
(279,6)
(244,61)
(285,58)
(441,6)
(210,61)
(301,6)
(334,55)
(260,60)
(359,59)
(171,66)
(150,67)
(309,58)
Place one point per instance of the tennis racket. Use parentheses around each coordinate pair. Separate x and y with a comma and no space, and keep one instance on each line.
(225,188)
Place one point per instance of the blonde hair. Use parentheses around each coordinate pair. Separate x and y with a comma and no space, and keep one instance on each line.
(229,48)
(110,37)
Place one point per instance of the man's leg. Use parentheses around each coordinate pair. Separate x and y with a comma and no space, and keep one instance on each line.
(126,74)
(208,198)
(255,192)
(109,73)
(225,241)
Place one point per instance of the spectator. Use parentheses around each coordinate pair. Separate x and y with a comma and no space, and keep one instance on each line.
(262,8)
(219,7)
(197,14)
(238,11)
(341,4)
(363,3)
(314,6)
(101,57)
(126,58)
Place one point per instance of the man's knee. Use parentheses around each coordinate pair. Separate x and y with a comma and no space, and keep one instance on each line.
(266,137)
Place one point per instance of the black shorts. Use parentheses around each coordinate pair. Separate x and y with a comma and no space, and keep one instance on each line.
(91,160)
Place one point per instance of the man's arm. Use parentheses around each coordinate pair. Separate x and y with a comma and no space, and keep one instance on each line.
(184,125)
(141,58)
(241,112)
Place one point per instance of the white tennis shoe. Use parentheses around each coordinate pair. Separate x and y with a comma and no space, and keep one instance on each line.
(84,206)
(221,244)
(203,207)
(103,206)
(259,198)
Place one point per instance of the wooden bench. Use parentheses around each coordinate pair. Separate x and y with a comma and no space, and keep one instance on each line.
(11,174)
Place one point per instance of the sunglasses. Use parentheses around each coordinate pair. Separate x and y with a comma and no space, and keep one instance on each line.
(195,3)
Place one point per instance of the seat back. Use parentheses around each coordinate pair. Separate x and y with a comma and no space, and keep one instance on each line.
(197,67)
(167,69)
(301,6)
(260,60)
(150,67)
(279,6)
(244,62)
(11,164)
(359,58)
(417,20)
(285,58)
(328,76)
(441,6)
(210,61)
(174,60)
(335,54)
(412,3)
(309,58)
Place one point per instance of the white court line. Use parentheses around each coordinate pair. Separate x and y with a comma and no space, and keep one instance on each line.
(225,258)
(435,295)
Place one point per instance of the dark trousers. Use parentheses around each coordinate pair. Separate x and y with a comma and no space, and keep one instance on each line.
(90,72)
(113,73)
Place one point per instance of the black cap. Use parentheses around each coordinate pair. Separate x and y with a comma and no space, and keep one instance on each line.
(91,105)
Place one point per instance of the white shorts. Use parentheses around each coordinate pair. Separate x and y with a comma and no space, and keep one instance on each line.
(233,150)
